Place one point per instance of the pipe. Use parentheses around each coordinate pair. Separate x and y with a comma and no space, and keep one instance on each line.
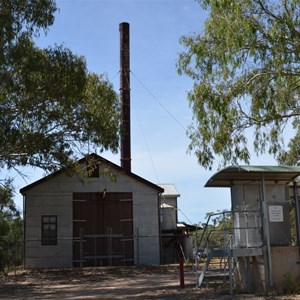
(266,231)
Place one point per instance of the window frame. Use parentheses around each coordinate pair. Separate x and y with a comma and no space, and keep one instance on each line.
(49,236)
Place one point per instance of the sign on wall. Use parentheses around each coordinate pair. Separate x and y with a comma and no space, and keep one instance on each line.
(276,213)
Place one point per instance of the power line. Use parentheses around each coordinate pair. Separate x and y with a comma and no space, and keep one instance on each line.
(173,117)
(148,149)
(157,100)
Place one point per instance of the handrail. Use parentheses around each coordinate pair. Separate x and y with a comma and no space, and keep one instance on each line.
(227,239)
(206,226)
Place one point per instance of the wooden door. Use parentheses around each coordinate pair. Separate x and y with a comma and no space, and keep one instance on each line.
(102,229)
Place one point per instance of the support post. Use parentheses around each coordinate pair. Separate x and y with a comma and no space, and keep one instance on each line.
(137,247)
(297,213)
(230,274)
(266,232)
(81,247)
(181,272)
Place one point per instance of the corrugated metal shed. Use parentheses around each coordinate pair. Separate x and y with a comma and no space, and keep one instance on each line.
(169,190)
(231,175)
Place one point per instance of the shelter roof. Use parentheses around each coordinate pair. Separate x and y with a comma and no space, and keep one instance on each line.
(231,175)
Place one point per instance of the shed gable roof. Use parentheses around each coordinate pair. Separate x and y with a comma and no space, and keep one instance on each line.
(99,160)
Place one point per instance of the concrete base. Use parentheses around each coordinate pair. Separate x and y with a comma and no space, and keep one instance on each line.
(285,261)
(250,275)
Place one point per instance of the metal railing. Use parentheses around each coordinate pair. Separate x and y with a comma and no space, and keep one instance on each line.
(223,232)
(241,227)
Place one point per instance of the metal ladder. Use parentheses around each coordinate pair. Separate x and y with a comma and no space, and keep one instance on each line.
(216,260)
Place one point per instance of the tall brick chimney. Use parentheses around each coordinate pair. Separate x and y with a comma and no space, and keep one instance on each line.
(125,96)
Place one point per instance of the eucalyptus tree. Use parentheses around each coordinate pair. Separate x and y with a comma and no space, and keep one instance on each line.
(51,108)
(245,65)
(11,229)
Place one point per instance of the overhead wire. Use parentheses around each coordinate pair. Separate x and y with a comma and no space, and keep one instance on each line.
(144,137)
(148,149)
(145,140)
(159,102)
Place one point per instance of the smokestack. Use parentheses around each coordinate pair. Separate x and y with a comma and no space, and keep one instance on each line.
(125,96)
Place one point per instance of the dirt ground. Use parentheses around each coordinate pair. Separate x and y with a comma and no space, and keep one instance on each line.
(159,282)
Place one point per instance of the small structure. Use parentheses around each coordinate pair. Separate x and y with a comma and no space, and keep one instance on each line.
(72,221)
(263,244)
(265,211)
(176,241)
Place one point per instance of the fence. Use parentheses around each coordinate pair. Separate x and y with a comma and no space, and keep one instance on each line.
(103,249)
(89,250)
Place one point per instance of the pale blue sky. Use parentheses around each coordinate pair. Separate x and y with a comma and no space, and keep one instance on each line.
(91,28)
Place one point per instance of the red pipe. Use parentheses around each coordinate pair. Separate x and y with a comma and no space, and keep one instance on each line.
(181,272)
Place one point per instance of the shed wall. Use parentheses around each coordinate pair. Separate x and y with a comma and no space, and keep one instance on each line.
(37,205)
(54,196)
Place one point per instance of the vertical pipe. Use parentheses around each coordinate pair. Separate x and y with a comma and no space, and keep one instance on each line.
(137,246)
(95,251)
(124,249)
(297,212)
(24,231)
(159,195)
(247,229)
(266,231)
(230,274)
(125,96)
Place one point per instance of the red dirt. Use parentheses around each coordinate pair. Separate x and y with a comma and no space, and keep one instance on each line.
(135,282)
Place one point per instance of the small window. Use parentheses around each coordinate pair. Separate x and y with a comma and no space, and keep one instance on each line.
(93,171)
(49,230)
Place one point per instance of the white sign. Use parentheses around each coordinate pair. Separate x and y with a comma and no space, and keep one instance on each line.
(276,213)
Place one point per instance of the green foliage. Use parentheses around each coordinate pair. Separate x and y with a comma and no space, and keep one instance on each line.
(216,230)
(245,65)
(292,157)
(11,229)
(220,228)
(51,108)
(292,285)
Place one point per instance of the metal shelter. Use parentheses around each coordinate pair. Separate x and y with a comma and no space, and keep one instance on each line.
(265,189)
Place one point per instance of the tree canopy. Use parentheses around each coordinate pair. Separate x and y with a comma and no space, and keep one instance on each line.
(246,70)
(11,228)
(51,108)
